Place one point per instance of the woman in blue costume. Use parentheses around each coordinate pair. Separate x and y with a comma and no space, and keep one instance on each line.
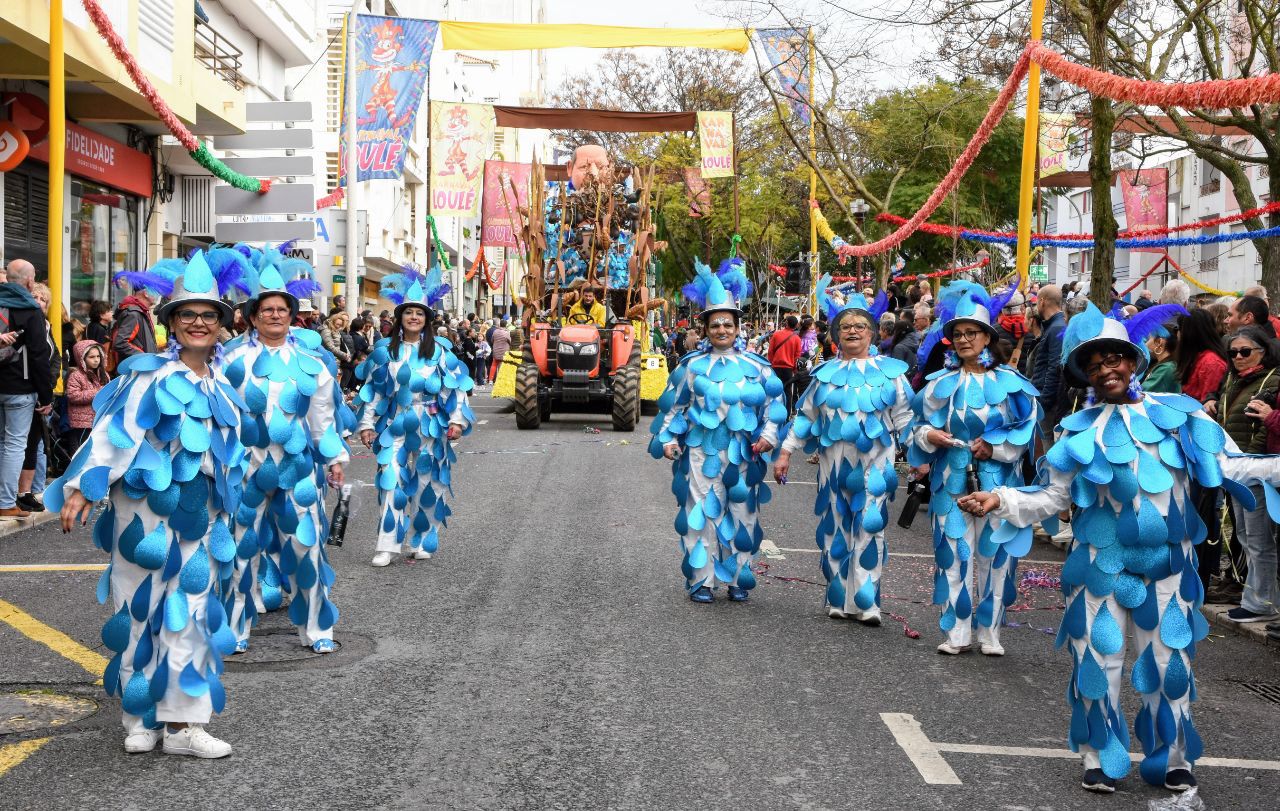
(717,421)
(975,419)
(851,414)
(412,405)
(1124,465)
(165,452)
(294,414)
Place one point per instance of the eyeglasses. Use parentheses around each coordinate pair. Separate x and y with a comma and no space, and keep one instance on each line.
(966,335)
(855,326)
(721,323)
(1111,361)
(1244,351)
(274,312)
(189,317)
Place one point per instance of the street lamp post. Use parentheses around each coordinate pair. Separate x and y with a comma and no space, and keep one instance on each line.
(859,208)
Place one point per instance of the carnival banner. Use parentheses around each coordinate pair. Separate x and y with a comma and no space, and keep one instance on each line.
(461,135)
(506,189)
(392,56)
(697,191)
(1054,142)
(1146,201)
(788,53)
(715,136)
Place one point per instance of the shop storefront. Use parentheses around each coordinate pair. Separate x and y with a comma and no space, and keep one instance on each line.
(108,186)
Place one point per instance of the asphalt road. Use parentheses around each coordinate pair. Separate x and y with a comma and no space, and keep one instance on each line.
(547,658)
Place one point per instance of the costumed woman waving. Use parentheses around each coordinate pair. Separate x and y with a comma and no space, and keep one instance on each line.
(165,451)
(291,430)
(718,420)
(851,414)
(975,418)
(412,405)
(1124,466)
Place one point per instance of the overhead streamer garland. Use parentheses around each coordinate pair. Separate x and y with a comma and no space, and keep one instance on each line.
(1204,95)
(1206,288)
(981,263)
(198,151)
(960,231)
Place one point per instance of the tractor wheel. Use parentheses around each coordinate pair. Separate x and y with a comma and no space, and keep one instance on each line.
(626,398)
(528,414)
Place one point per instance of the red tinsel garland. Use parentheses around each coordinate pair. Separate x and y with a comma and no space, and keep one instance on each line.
(331,199)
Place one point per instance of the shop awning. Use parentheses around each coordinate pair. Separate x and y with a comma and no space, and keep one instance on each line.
(555,118)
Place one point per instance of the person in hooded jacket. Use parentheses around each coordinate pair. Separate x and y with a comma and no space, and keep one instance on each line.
(87,377)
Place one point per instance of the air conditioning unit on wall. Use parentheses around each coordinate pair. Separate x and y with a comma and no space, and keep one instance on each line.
(197,206)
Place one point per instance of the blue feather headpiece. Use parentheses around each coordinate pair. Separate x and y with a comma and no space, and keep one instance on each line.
(964,301)
(726,289)
(412,286)
(835,300)
(210,276)
(1090,331)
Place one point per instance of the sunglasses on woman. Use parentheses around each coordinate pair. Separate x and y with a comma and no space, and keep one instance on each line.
(1243,351)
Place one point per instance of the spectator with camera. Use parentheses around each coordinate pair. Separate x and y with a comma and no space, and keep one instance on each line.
(1248,399)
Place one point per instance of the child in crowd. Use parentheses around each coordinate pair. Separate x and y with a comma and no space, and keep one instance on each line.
(87,377)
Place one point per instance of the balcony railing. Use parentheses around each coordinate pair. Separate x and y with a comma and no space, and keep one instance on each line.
(1212,187)
(217,54)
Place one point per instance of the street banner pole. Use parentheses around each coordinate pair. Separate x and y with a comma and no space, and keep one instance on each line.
(57,168)
(813,179)
(1030,144)
(351,259)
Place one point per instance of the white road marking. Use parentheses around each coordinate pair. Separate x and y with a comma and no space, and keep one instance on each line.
(923,753)
(815,550)
(926,755)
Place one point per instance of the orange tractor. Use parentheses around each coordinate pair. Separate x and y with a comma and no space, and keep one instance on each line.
(579,364)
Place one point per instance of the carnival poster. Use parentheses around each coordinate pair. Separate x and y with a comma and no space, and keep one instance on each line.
(506,189)
(1146,201)
(1055,142)
(697,191)
(715,136)
(788,52)
(461,137)
(392,57)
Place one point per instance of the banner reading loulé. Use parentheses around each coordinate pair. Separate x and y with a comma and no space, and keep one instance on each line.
(392,55)
(1055,141)
(461,136)
(506,189)
(1146,201)
(715,136)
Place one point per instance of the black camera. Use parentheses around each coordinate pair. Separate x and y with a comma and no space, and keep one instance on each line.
(917,494)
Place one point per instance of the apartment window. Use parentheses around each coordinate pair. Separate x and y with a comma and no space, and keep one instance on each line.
(1236,247)
(1209,253)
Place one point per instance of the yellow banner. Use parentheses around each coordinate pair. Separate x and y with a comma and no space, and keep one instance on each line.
(715,136)
(461,138)
(1054,142)
(458,36)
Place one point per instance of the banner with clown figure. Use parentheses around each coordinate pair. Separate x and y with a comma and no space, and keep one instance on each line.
(392,56)
(461,137)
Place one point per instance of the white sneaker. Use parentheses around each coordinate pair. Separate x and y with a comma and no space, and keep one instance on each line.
(836,614)
(382,559)
(992,649)
(135,743)
(194,741)
(952,650)
(421,554)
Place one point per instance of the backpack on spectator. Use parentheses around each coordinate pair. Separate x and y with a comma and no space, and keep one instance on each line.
(112,359)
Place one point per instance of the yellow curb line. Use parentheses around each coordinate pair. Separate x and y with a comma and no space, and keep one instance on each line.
(53,639)
(14,754)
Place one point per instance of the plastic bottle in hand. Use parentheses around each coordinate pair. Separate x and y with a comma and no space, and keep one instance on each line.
(338,526)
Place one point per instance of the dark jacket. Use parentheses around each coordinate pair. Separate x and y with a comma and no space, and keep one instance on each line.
(29,372)
(133,333)
(1249,432)
(906,350)
(1046,374)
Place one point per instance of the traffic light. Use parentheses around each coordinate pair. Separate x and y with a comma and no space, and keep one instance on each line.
(797,280)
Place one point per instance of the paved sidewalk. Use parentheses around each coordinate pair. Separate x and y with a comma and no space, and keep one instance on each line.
(1256,631)
(8,526)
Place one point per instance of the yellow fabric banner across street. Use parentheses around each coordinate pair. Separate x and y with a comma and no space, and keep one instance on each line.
(473,36)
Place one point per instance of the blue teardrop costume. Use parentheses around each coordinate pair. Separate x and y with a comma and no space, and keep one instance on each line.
(410,402)
(715,406)
(851,414)
(1001,407)
(165,450)
(1126,473)
(291,430)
